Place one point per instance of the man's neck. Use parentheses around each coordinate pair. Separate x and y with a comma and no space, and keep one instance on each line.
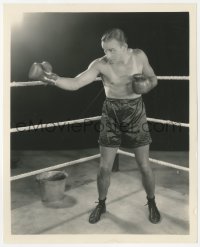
(125,57)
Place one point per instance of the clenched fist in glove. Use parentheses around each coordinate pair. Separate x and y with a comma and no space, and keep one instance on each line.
(42,72)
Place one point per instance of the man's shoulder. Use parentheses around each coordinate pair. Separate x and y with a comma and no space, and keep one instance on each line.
(99,61)
(137,51)
(102,60)
(140,54)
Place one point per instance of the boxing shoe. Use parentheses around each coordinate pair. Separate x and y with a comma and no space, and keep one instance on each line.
(97,212)
(42,72)
(154,215)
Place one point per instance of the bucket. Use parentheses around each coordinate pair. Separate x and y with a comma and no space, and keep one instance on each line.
(52,185)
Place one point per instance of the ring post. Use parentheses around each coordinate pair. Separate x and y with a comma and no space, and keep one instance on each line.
(115,167)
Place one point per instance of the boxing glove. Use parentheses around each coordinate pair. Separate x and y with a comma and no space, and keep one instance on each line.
(47,67)
(140,84)
(42,72)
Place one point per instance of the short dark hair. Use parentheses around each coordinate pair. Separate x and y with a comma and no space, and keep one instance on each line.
(114,33)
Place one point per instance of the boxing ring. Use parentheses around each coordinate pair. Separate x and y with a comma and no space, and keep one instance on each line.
(90,119)
(97,118)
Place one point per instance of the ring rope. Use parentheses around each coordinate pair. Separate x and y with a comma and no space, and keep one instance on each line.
(49,125)
(28,174)
(182,78)
(155,120)
(27,83)
(159,162)
(33,127)
(81,160)
(39,83)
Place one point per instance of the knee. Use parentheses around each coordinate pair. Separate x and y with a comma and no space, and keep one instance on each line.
(145,168)
(103,172)
(106,165)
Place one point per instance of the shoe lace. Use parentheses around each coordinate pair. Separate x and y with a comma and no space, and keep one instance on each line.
(100,205)
(149,203)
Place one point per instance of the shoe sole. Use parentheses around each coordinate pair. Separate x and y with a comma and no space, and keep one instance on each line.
(156,222)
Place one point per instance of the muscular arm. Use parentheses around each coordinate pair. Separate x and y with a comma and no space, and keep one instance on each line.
(148,72)
(81,80)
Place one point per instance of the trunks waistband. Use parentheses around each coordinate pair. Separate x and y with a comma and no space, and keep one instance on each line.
(123,100)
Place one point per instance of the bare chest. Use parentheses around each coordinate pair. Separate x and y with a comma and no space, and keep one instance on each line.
(120,74)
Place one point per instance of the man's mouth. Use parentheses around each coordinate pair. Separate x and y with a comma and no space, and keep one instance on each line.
(112,60)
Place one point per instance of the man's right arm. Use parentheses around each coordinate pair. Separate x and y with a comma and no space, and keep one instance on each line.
(81,80)
(38,72)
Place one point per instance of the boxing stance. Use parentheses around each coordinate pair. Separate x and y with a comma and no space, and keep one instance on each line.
(126,75)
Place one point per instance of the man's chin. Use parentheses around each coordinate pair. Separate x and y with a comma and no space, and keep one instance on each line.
(112,61)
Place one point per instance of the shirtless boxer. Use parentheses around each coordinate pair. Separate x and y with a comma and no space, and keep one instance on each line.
(126,75)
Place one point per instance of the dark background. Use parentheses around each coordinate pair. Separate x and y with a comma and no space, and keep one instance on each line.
(70,42)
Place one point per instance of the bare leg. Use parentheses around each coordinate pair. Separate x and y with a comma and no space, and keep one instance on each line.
(103,176)
(148,179)
(103,181)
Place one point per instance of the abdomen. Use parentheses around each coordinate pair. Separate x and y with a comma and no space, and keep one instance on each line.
(118,91)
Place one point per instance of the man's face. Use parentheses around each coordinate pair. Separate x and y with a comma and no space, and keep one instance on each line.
(113,50)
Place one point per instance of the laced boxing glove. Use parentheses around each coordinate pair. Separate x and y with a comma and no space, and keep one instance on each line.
(140,84)
(47,67)
(42,72)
